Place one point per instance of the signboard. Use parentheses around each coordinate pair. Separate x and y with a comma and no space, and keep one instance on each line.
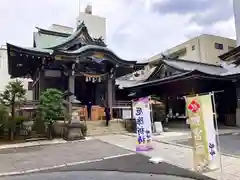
(200,118)
(141,113)
(126,114)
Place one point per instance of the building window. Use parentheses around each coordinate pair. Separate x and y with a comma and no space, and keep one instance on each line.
(218,46)
(193,47)
(30,88)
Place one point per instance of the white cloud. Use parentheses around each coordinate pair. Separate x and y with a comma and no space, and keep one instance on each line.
(133,30)
(225,28)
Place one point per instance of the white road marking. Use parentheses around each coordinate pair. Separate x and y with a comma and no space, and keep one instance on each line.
(63,165)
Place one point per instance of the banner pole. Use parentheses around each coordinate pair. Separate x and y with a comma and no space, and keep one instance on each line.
(204,93)
(218,140)
(132,117)
(151,112)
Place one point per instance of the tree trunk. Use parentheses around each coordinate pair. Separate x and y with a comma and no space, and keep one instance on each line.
(50,129)
(12,129)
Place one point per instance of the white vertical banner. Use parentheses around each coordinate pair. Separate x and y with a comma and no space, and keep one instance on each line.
(208,118)
(142,115)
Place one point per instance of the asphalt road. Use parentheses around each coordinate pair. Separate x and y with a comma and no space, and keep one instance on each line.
(20,159)
(127,167)
(95,175)
(229,143)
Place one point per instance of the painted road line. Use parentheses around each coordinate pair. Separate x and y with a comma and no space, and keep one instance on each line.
(62,165)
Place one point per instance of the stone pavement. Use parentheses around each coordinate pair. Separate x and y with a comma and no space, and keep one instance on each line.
(177,155)
(229,144)
(37,157)
(183,134)
(167,136)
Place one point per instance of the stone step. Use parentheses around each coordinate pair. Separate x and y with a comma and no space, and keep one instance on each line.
(98,128)
(35,139)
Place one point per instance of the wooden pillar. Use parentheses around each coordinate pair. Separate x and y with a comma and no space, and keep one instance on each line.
(71,89)
(41,76)
(37,90)
(165,101)
(113,92)
(74,125)
(110,93)
(35,86)
(237,103)
(41,82)
(34,93)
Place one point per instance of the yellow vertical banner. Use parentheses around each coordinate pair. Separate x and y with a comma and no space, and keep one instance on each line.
(200,118)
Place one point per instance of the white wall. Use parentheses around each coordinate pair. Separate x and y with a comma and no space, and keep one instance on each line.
(96,25)
(61,28)
(190,54)
(236,7)
(5,77)
(209,54)
(204,50)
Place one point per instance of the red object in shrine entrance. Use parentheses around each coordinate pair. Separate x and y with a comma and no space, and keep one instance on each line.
(194,106)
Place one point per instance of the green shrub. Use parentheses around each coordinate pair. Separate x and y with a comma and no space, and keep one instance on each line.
(51,106)
(3,114)
(20,119)
(17,120)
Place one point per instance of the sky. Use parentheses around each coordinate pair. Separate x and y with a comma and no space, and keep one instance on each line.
(136,29)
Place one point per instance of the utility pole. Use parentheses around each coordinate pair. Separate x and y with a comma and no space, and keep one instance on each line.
(79,6)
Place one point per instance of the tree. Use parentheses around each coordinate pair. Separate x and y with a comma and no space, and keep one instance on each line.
(3,118)
(51,107)
(3,114)
(14,92)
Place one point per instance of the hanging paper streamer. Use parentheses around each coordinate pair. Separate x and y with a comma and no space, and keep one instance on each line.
(93,77)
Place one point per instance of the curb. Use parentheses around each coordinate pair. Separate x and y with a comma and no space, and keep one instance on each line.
(44,144)
(31,145)
(62,165)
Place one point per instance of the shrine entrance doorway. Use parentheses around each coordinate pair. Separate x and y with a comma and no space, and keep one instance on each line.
(91,89)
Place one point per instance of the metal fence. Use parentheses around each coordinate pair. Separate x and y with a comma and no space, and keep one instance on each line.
(122,110)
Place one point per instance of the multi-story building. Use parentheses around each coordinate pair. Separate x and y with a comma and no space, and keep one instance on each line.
(5,77)
(96,25)
(236,7)
(204,48)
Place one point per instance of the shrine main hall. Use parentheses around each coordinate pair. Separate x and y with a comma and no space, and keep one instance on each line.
(75,62)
